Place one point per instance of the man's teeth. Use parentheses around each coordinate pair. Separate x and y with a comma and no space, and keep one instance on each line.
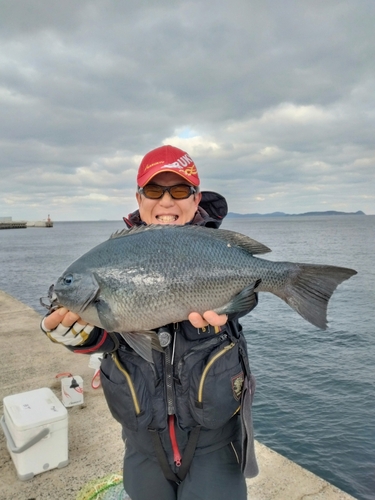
(167,218)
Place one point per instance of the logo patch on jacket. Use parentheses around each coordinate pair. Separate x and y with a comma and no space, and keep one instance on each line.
(237,384)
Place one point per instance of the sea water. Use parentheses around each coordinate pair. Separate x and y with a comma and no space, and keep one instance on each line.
(315,393)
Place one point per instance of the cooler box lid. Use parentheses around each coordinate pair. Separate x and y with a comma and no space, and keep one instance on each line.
(34,408)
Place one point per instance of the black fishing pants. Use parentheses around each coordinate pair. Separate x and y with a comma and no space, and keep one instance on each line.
(213,476)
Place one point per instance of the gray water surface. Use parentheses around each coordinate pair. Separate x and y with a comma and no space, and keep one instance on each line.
(315,389)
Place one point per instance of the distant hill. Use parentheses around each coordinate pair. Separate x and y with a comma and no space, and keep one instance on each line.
(282,214)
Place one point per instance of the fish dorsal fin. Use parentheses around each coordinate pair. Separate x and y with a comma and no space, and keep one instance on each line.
(133,230)
(231,238)
(141,229)
(235,239)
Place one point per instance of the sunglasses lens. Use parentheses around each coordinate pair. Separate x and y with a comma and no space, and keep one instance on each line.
(180,192)
(153,191)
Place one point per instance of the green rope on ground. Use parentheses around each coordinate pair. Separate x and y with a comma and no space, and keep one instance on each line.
(96,489)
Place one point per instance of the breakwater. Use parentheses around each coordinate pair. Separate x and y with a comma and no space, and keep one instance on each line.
(25,224)
(9,223)
(13,225)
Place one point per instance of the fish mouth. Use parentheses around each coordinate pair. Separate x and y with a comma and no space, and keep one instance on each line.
(53,302)
(166,219)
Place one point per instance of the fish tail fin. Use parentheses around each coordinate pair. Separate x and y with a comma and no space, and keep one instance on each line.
(310,288)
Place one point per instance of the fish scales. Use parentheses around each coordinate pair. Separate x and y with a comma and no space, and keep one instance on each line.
(180,277)
(144,278)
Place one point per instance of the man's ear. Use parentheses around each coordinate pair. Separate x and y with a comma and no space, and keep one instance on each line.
(198,198)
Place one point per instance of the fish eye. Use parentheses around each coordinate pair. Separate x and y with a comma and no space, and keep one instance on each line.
(68,279)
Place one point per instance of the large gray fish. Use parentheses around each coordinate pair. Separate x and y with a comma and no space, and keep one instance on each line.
(147,277)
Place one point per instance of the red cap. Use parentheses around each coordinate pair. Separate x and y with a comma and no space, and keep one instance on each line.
(167,159)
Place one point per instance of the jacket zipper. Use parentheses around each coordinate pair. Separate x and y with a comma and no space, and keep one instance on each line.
(200,347)
(172,434)
(169,358)
(137,408)
(169,378)
(208,366)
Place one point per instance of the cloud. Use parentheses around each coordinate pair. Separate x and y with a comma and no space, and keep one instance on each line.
(275,103)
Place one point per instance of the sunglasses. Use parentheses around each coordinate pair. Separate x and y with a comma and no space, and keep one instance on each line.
(178,192)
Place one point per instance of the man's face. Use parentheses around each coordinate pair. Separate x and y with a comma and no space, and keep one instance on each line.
(166,210)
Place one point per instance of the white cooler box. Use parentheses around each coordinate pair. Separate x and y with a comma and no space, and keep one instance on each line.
(35,425)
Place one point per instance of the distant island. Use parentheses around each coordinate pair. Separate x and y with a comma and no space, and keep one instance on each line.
(282,214)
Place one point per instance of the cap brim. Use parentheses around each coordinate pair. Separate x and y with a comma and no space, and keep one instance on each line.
(145,179)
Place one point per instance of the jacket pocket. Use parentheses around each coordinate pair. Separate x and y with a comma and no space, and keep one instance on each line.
(212,380)
(127,391)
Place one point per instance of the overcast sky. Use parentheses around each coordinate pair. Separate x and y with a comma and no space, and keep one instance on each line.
(274,101)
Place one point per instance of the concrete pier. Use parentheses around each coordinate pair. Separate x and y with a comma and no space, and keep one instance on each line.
(30,361)
(13,225)
(39,223)
(9,223)
(24,225)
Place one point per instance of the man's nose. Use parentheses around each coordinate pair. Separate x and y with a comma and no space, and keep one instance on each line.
(166,199)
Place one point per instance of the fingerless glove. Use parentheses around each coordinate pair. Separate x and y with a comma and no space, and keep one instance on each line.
(74,335)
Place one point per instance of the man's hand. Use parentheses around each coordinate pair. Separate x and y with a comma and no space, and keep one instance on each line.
(61,315)
(59,325)
(208,318)
(65,327)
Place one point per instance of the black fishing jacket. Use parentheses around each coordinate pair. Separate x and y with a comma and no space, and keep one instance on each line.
(194,384)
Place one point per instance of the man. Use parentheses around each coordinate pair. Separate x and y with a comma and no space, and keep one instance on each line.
(178,445)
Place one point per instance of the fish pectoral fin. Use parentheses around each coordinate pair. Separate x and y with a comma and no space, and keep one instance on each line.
(143,342)
(244,301)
